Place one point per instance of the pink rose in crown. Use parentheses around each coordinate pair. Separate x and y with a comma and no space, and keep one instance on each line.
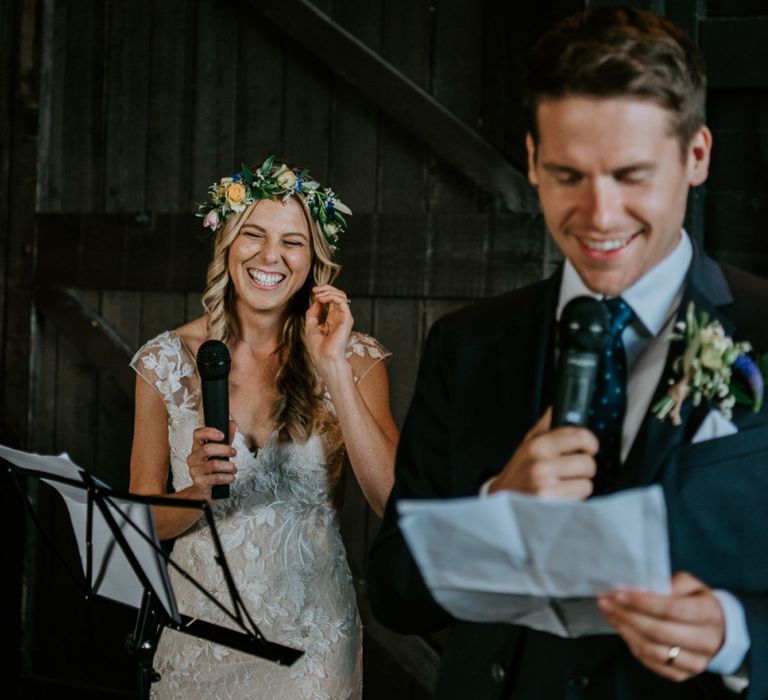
(211,220)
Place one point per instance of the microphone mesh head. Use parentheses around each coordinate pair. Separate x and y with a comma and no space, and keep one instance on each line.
(213,360)
(584,324)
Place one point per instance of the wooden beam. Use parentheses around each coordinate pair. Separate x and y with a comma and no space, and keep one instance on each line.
(402,99)
(144,252)
(101,344)
(735,51)
(168,253)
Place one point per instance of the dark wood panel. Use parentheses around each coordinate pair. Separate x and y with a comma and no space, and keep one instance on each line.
(735,51)
(517,252)
(11,515)
(122,311)
(122,251)
(387,256)
(82,139)
(22,115)
(161,311)
(193,307)
(736,109)
(127,98)
(357,255)
(259,93)
(6,88)
(77,414)
(401,98)
(401,260)
(98,345)
(399,328)
(170,107)
(457,70)
(736,8)
(52,109)
(740,160)
(458,263)
(736,224)
(216,80)
(406,37)
(355,127)
(307,119)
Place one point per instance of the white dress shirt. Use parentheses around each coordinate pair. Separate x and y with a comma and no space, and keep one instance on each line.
(655,299)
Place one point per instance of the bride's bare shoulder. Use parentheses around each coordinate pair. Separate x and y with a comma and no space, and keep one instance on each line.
(193,334)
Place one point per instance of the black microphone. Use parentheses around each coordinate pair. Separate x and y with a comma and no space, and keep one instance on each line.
(213,365)
(583,329)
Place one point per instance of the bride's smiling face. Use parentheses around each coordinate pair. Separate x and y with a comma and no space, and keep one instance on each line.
(271,257)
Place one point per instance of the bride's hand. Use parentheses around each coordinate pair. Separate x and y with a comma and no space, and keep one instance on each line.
(327,341)
(206,472)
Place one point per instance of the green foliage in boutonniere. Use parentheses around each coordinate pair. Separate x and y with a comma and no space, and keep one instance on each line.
(713,368)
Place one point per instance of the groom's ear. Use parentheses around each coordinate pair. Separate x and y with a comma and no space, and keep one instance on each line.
(530,146)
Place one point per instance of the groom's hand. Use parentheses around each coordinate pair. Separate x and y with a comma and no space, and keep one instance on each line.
(557,463)
(675,635)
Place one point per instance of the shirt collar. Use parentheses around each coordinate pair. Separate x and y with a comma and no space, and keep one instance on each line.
(651,297)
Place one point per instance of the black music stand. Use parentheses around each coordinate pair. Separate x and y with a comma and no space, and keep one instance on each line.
(123,560)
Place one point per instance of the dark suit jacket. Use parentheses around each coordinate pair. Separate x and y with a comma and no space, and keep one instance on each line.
(485,378)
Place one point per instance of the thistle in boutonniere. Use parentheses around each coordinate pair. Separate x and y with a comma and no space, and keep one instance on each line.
(713,368)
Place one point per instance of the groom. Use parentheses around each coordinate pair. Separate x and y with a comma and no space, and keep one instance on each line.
(616,138)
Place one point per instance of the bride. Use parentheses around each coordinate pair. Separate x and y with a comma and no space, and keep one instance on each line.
(304,388)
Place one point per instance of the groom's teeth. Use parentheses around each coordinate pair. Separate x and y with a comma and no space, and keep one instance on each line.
(605,245)
(267,279)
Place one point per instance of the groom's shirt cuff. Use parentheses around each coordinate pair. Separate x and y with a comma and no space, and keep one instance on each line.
(731,656)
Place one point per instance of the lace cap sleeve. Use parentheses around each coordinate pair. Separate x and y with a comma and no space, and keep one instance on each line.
(165,364)
(363,353)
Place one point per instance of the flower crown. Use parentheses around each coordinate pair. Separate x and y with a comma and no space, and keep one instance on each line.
(231,195)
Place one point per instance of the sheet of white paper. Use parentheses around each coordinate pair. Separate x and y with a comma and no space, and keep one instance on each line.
(538,562)
(113,576)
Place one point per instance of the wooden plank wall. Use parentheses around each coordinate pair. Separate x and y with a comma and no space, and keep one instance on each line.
(142,104)
(733,40)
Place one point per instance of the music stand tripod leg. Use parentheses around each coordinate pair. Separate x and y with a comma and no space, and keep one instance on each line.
(142,642)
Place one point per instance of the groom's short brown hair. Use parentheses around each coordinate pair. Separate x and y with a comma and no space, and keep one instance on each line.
(620,52)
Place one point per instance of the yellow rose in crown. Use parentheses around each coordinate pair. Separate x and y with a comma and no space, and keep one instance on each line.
(221,189)
(236,197)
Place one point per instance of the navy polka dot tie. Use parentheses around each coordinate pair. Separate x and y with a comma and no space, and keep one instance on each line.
(608,404)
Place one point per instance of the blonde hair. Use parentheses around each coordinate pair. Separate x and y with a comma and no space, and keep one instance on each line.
(297,407)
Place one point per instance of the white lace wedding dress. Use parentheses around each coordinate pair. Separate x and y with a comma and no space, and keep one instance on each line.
(280,534)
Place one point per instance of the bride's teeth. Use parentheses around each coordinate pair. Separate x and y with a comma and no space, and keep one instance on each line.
(265,278)
(604,245)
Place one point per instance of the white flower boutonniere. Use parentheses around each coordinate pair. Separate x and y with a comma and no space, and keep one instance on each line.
(708,367)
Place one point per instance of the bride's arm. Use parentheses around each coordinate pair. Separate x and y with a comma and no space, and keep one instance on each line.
(366,423)
(150,460)
(368,429)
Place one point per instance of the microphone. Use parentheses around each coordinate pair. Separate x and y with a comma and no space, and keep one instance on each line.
(583,329)
(213,363)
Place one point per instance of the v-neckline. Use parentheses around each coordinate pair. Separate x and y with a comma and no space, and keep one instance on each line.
(251,449)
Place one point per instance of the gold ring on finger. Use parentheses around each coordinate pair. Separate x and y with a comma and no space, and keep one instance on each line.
(672,654)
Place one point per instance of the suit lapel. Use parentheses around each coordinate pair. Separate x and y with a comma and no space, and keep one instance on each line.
(529,353)
(708,290)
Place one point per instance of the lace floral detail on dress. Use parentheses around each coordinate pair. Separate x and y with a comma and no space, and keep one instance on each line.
(166,364)
(364,353)
(280,533)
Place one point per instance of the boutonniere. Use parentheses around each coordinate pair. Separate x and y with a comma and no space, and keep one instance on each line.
(712,368)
